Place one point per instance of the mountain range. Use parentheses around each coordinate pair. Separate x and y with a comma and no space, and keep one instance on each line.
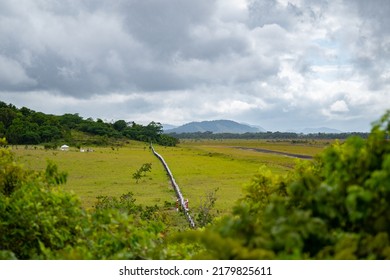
(229,126)
(216,126)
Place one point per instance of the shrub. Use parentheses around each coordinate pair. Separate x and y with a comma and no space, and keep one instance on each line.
(141,172)
(206,212)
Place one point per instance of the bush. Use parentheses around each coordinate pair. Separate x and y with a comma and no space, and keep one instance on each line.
(126,204)
(35,212)
(206,212)
(141,172)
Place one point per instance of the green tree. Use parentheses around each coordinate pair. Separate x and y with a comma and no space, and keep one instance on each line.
(141,172)
(2,130)
(206,211)
(120,125)
(7,116)
(70,121)
(167,140)
(49,133)
(23,132)
(38,118)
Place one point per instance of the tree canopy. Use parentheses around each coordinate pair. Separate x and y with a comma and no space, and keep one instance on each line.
(25,126)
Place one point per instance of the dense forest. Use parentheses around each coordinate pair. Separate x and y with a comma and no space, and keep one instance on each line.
(25,126)
(333,207)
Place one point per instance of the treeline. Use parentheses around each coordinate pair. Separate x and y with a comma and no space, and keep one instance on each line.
(25,126)
(266,135)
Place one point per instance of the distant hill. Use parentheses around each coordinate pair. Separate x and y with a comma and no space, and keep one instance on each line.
(216,126)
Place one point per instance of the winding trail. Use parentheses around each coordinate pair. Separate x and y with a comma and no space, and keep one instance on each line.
(260,150)
(175,186)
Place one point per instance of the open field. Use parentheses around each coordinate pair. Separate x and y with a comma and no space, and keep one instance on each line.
(198,166)
(105,171)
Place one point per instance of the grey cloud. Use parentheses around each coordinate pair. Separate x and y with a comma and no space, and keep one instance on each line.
(206,44)
(164,27)
(176,61)
(290,16)
(13,75)
(375,13)
(268,12)
(81,49)
(372,49)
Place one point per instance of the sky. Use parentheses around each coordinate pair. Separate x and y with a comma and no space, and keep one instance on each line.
(277,64)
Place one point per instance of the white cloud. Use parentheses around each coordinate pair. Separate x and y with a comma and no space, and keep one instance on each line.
(12,74)
(232,10)
(339,107)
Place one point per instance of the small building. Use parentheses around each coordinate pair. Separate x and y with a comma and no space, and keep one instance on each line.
(64,148)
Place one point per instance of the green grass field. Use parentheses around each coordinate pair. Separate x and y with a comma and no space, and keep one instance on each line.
(198,167)
(105,171)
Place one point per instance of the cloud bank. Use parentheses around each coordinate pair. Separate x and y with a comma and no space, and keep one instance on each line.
(275,63)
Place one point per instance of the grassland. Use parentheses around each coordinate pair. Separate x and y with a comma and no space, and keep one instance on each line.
(198,166)
(105,171)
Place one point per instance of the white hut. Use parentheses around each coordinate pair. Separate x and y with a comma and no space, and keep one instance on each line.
(64,148)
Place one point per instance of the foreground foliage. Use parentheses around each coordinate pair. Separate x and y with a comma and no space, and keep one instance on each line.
(336,207)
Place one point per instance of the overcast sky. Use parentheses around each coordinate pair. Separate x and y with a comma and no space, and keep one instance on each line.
(278,64)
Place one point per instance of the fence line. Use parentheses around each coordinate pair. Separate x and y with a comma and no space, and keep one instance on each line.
(175,186)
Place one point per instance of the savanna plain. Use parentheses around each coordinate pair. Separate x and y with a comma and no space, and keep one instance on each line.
(199,167)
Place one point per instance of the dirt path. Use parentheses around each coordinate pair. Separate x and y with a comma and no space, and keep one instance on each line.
(275,152)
